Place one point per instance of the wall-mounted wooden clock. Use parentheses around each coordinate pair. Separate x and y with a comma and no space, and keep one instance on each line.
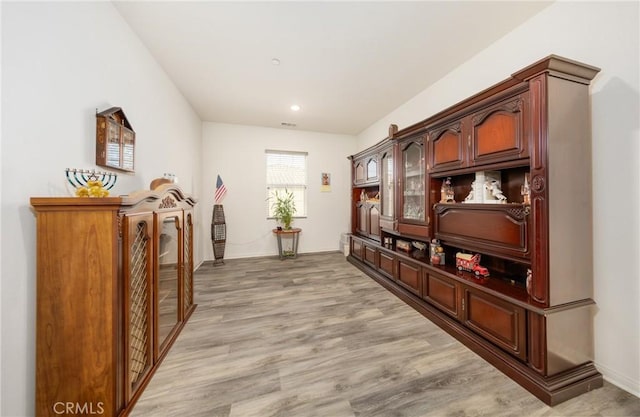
(115,140)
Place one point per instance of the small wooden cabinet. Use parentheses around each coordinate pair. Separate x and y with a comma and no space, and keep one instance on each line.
(115,140)
(114,290)
(365,170)
(495,132)
(368,219)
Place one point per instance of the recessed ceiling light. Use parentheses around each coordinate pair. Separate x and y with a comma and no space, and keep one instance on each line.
(295,107)
(275,61)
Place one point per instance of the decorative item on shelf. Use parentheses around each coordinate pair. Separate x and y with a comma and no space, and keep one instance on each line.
(437,256)
(403,245)
(421,246)
(435,259)
(440,253)
(496,193)
(433,246)
(167,178)
(480,193)
(475,194)
(91,183)
(446,192)
(528,280)
(525,190)
(471,263)
(363,196)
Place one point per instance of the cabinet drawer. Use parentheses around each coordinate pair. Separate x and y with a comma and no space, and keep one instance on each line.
(442,292)
(498,132)
(357,248)
(495,229)
(409,275)
(385,264)
(498,321)
(370,255)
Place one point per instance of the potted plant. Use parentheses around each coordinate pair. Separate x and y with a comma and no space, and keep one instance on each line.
(284,207)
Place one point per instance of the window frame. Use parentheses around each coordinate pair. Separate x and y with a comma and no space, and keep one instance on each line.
(301,213)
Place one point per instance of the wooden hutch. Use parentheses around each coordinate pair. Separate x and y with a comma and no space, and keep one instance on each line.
(532,317)
(114,290)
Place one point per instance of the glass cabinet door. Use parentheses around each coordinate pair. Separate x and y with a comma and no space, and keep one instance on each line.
(168,277)
(387,194)
(413,201)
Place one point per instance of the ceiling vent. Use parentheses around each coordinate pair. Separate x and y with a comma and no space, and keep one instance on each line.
(287,124)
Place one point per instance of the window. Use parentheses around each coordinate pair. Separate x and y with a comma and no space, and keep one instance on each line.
(287,171)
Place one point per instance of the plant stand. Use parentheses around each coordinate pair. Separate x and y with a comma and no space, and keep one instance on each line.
(290,235)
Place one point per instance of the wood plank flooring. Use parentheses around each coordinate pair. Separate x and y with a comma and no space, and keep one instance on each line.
(314,336)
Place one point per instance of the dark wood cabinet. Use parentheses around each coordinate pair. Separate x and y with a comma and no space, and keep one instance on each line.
(447,147)
(412,198)
(500,229)
(114,290)
(506,175)
(409,275)
(388,188)
(497,320)
(365,170)
(498,133)
(368,219)
(357,248)
(387,264)
(369,255)
(444,293)
(494,133)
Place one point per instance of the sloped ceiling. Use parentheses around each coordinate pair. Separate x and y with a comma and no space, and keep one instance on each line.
(347,64)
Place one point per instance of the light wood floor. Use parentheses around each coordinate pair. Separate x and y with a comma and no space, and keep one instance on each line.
(314,336)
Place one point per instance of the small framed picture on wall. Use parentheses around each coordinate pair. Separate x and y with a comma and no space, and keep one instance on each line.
(325,185)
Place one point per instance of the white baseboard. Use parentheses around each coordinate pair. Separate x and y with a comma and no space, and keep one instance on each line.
(621,381)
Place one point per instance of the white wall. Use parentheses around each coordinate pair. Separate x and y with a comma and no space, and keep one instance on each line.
(237,154)
(605,35)
(61,61)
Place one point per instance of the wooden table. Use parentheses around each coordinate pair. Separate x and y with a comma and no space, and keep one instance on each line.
(287,233)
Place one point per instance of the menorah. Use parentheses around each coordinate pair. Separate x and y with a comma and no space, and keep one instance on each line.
(81,177)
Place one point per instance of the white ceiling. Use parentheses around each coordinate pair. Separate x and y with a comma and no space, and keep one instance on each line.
(347,64)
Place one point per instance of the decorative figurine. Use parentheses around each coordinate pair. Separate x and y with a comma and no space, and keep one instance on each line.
(473,194)
(471,263)
(446,192)
(440,253)
(496,192)
(433,246)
